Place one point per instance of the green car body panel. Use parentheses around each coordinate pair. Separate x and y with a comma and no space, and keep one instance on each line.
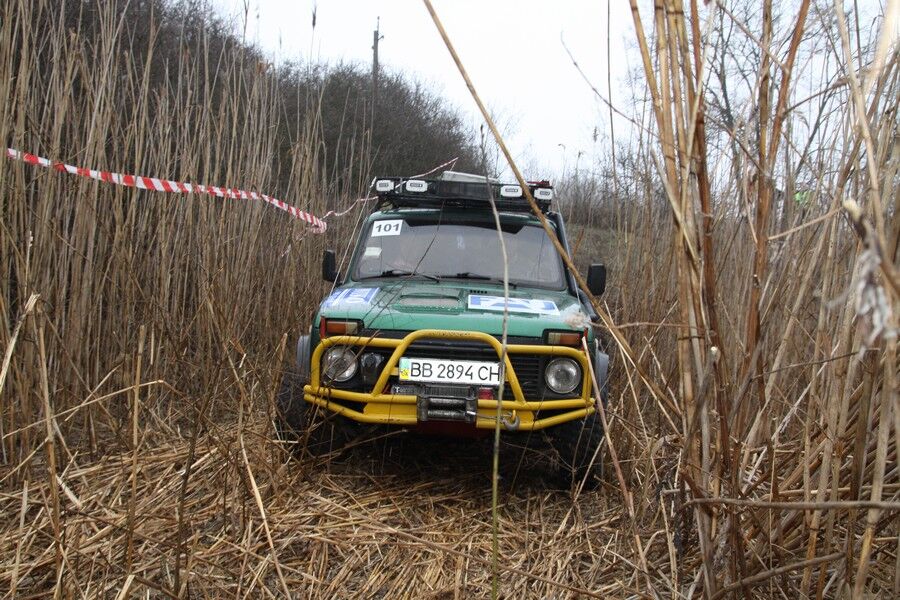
(415,302)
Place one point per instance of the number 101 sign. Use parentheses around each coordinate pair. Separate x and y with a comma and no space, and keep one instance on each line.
(382,228)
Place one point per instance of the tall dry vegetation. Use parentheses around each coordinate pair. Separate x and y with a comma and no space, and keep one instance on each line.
(166,89)
(118,271)
(144,334)
(756,206)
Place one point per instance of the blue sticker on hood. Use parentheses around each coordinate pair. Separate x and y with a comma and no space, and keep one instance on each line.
(350,298)
(518,305)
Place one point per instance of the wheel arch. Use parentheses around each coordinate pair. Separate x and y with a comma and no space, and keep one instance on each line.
(304,351)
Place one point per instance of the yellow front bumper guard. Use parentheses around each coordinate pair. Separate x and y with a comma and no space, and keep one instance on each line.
(397,409)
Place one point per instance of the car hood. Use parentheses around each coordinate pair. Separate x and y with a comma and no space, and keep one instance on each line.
(462,306)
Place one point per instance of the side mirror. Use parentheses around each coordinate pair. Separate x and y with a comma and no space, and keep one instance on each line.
(596,279)
(329,266)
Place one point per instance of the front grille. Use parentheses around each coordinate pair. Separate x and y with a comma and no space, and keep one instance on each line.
(527,366)
(528,370)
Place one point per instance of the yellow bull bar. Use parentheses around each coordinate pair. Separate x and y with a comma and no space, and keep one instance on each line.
(400,409)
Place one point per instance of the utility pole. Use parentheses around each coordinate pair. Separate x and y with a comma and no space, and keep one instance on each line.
(376,37)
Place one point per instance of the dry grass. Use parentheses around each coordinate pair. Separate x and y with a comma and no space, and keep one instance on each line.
(754,407)
(367,525)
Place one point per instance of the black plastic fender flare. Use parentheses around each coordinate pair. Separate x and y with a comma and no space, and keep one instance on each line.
(601,368)
(304,353)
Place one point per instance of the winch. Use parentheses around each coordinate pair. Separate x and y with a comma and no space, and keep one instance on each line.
(446,403)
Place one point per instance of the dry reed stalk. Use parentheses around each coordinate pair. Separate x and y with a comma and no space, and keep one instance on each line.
(50,447)
(7,357)
(135,445)
(262,512)
(495,464)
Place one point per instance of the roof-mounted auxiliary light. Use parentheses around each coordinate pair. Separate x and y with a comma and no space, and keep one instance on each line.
(511,191)
(543,194)
(463,190)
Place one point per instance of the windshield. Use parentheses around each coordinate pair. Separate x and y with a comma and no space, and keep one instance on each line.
(427,247)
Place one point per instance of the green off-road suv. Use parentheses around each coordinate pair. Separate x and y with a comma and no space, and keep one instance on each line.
(410,336)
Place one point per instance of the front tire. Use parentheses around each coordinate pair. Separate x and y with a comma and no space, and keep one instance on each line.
(306,426)
(291,418)
(576,445)
(303,425)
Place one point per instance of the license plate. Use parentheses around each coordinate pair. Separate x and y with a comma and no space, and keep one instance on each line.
(438,370)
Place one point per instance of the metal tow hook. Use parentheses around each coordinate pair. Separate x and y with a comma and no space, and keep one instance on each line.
(511,424)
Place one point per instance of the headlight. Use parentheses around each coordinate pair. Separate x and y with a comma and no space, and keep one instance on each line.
(562,375)
(339,364)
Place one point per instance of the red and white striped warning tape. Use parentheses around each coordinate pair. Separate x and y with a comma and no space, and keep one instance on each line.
(165,185)
(178,187)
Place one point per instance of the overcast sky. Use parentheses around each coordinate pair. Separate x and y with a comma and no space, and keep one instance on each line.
(512,50)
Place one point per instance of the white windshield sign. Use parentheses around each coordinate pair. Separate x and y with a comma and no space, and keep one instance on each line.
(350,298)
(517,305)
(392,227)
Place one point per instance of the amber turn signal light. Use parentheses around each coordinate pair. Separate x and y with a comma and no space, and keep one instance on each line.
(564,338)
(332,327)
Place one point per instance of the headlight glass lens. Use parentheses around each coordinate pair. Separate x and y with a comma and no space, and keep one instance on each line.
(339,364)
(562,375)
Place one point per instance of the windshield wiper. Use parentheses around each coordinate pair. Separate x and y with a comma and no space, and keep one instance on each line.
(480,277)
(401,273)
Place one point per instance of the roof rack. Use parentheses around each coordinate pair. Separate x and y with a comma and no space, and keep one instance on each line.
(459,192)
